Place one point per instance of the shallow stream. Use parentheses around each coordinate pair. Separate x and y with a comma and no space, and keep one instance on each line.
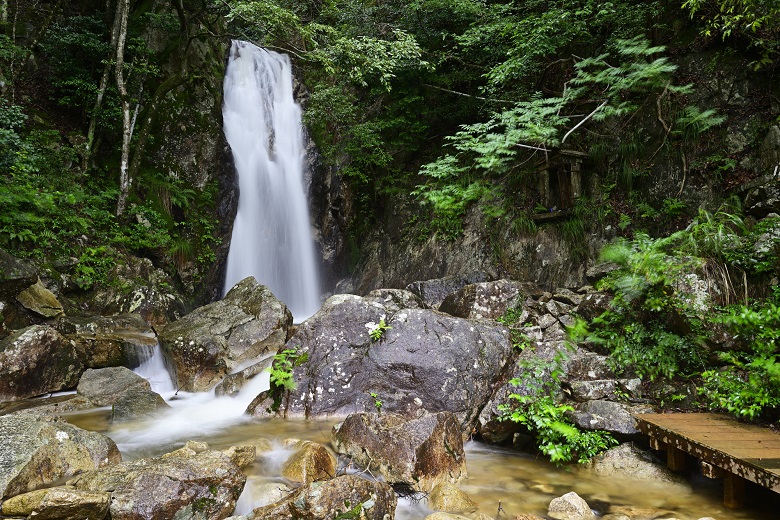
(518,482)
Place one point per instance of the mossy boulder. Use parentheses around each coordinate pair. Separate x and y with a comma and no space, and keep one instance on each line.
(37,450)
(420,453)
(205,345)
(37,360)
(186,483)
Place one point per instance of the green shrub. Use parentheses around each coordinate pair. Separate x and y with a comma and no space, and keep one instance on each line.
(748,384)
(539,410)
(652,328)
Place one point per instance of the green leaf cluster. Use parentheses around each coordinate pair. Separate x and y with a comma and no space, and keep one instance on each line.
(756,20)
(658,327)
(282,369)
(748,383)
(539,409)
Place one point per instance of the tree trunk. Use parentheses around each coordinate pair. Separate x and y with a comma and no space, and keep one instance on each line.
(99,100)
(122,13)
(145,124)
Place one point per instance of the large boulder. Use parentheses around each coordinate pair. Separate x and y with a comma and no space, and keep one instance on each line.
(310,462)
(629,462)
(104,386)
(109,341)
(348,496)
(37,450)
(393,300)
(15,275)
(137,403)
(433,292)
(487,299)
(59,503)
(423,360)
(205,345)
(185,483)
(37,360)
(608,415)
(419,453)
(138,287)
(40,300)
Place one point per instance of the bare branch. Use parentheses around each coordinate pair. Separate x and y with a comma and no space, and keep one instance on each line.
(468,95)
(586,118)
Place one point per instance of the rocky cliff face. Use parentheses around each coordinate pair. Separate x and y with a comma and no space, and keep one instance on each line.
(685,172)
(188,113)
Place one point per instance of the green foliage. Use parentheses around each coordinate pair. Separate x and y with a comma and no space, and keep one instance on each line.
(282,369)
(756,20)
(376,331)
(653,328)
(511,318)
(93,267)
(377,402)
(487,156)
(657,327)
(545,417)
(748,383)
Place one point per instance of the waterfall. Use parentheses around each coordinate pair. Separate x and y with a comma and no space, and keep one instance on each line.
(152,368)
(272,238)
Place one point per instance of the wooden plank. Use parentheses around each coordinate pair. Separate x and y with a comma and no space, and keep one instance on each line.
(733,491)
(742,450)
(675,458)
(710,470)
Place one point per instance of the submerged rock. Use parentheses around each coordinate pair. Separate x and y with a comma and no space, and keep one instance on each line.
(37,450)
(35,361)
(449,498)
(311,462)
(570,507)
(206,344)
(185,483)
(440,515)
(629,462)
(348,496)
(422,360)
(420,452)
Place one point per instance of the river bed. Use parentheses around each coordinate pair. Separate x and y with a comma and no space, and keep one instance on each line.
(515,481)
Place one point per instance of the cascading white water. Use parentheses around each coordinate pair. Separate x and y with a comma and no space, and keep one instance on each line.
(153,369)
(191,415)
(271,234)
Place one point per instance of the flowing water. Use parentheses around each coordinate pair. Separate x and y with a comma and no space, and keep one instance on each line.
(498,477)
(272,238)
(271,241)
(518,482)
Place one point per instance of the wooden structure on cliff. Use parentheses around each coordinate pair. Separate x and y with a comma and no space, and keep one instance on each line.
(725,448)
(559,182)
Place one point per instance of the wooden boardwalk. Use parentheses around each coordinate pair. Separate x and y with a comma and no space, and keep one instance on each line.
(725,448)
